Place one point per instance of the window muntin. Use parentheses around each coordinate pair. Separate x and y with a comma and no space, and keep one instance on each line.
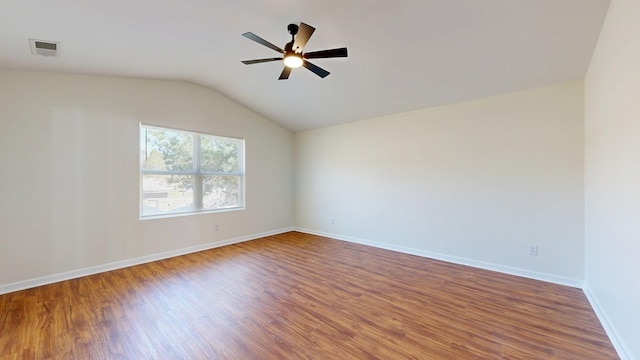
(185,172)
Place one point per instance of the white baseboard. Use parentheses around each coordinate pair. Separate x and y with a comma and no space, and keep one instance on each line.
(618,344)
(577,283)
(50,279)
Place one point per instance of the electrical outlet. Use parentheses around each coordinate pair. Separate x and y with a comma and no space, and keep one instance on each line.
(333,221)
(533,250)
(217,227)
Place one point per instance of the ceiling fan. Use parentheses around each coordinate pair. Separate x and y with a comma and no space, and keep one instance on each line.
(293,57)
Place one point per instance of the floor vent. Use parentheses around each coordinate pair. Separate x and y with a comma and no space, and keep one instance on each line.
(45,48)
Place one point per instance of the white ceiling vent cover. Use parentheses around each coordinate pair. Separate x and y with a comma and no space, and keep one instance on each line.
(45,48)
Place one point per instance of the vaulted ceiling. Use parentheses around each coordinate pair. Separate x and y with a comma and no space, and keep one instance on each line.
(403,55)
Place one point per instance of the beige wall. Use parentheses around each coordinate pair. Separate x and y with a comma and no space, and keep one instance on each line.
(612,176)
(69,172)
(474,182)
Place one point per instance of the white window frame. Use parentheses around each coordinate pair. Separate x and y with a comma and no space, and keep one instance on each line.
(197,173)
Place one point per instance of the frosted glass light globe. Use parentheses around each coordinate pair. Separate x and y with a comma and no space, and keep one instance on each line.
(293,61)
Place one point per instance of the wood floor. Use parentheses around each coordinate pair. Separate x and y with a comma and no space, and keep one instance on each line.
(299,296)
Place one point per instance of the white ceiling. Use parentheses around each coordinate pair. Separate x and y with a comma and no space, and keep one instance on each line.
(403,55)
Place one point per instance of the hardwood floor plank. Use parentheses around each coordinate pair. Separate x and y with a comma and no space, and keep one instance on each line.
(299,296)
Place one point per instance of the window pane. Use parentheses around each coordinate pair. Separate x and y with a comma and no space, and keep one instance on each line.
(164,194)
(219,155)
(166,150)
(187,172)
(221,192)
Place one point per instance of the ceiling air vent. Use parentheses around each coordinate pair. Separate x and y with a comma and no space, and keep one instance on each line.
(45,48)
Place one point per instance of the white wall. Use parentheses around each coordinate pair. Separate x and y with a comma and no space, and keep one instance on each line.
(612,176)
(69,172)
(474,182)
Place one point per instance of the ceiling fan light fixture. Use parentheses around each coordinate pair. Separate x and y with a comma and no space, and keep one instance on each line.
(293,55)
(293,60)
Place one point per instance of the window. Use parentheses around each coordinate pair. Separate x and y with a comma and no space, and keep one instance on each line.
(186,172)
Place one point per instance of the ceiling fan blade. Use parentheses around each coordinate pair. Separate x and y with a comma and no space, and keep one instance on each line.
(316,69)
(332,53)
(304,33)
(257,61)
(259,40)
(285,73)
